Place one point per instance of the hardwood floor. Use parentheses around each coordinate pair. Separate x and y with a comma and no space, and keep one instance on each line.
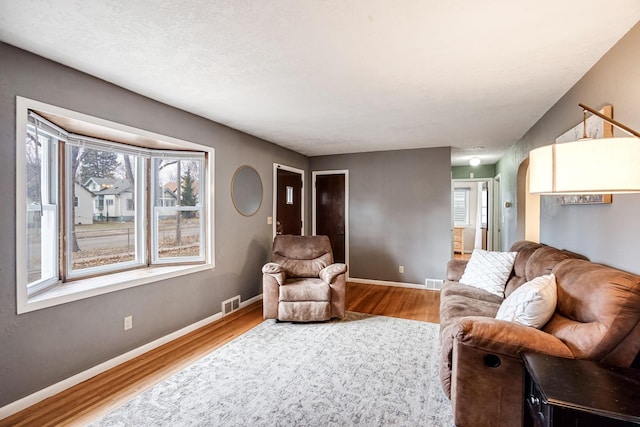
(406,303)
(98,395)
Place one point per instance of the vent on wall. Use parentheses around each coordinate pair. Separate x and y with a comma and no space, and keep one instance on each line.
(433,283)
(230,305)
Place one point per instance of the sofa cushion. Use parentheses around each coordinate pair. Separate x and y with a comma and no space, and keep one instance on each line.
(545,259)
(455,269)
(524,249)
(304,311)
(532,304)
(305,290)
(598,312)
(489,270)
(457,288)
(453,307)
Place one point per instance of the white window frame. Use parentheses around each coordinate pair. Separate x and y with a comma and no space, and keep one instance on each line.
(61,293)
(484,206)
(157,211)
(48,207)
(465,191)
(139,241)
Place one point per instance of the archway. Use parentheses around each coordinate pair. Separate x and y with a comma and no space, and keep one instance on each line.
(528,207)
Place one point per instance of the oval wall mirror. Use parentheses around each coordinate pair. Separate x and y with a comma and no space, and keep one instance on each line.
(246,190)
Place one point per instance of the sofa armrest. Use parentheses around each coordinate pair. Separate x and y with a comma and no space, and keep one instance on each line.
(455,269)
(330,272)
(276,271)
(510,338)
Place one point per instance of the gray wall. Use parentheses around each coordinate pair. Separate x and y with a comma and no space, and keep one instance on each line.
(605,233)
(400,212)
(43,347)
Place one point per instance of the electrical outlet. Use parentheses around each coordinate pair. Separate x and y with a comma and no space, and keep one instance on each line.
(128,323)
(401,269)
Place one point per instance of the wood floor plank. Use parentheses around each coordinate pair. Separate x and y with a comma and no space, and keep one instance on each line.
(96,396)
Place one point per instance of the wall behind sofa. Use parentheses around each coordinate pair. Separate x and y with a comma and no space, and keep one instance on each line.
(399,212)
(40,348)
(605,233)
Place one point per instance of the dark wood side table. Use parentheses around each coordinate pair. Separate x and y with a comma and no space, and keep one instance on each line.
(568,392)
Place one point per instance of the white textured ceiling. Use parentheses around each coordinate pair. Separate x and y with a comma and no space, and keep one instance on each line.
(328,77)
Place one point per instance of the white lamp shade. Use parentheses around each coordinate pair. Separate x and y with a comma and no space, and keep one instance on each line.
(609,165)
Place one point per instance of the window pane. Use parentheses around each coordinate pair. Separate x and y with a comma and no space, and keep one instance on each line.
(41,211)
(42,228)
(178,233)
(103,230)
(177,213)
(103,244)
(177,182)
(460,206)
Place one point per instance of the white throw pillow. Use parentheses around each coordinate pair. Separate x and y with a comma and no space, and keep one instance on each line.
(531,304)
(489,270)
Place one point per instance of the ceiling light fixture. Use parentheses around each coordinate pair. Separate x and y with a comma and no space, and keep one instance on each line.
(474,161)
(587,166)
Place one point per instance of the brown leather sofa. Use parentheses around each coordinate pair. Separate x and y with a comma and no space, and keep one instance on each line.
(302,283)
(597,317)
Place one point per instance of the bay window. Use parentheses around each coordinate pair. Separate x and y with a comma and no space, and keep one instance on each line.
(93,209)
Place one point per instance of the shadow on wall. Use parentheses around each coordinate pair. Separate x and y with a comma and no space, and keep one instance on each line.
(376,264)
(246,282)
(250,276)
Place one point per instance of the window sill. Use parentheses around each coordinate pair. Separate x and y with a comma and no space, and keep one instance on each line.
(101,285)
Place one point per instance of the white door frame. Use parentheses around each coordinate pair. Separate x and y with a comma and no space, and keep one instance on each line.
(277,166)
(346,206)
(491,217)
(498,214)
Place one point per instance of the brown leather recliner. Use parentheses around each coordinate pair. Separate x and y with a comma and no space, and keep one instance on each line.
(301,283)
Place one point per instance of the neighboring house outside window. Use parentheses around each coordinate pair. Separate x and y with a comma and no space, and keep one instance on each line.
(83,206)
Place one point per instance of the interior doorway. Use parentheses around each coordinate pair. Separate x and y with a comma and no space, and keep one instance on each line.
(288,200)
(472,215)
(330,210)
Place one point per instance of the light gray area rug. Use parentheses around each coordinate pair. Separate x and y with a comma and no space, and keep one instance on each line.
(359,371)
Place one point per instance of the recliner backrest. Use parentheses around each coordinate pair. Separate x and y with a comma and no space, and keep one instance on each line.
(302,256)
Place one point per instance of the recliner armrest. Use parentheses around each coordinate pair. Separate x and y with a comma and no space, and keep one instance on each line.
(332,271)
(276,271)
(504,337)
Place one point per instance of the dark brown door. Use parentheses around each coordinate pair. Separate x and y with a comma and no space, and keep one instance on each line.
(330,211)
(289,202)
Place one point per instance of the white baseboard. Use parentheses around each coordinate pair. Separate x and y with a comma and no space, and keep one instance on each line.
(58,387)
(385,283)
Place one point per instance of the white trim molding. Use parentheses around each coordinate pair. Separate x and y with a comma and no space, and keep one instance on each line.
(387,283)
